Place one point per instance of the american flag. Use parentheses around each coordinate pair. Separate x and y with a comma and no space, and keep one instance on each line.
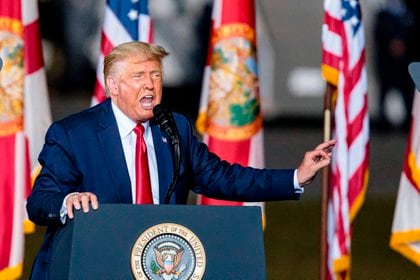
(24,119)
(124,21)
(343,66)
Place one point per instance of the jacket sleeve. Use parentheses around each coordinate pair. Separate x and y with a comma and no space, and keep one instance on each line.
(57,178)
(216,178)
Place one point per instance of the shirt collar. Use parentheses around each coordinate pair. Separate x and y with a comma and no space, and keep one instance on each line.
(124,123)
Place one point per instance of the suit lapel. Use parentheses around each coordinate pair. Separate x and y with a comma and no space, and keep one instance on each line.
(164,160)
(111,145)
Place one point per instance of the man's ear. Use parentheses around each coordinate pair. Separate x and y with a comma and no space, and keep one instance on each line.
(112,85)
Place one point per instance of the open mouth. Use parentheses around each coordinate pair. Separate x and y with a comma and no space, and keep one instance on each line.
(147,101)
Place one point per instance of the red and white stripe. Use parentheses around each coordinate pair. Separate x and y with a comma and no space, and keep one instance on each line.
(15,186)
(37,113)
(19,149)
(113,34)
(344,66)
(405,236)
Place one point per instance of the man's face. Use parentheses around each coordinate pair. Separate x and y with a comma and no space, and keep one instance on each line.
(136,87)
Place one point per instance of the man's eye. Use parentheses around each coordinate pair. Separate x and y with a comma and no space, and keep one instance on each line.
(156,75)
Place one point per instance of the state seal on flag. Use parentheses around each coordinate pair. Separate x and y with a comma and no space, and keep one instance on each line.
(168,251)
(12,76)
(234,111)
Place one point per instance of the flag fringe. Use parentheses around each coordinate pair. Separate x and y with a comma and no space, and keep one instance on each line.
(341,266)
(330,74)
(400,243)
(200,123)
(360,199)
(28,227)
(414,169)
(10,273)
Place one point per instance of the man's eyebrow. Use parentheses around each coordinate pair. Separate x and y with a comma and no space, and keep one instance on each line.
(141,72)
(138,72)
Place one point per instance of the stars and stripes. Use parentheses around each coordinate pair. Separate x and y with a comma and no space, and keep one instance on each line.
(124,21)
(343,66)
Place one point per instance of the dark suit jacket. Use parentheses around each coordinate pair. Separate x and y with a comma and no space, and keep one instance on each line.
(83,152)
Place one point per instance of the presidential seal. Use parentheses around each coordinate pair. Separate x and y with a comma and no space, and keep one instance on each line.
(168,251)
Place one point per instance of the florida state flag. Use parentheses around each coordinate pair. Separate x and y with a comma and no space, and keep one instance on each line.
(405,235)
(230,118)
(24,118)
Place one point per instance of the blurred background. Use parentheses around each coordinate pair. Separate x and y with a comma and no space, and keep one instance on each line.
(292,98)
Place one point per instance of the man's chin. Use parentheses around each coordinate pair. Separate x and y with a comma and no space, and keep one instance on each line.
(146,116)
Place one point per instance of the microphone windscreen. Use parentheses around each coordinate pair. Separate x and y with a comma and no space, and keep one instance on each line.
(166,121)
(160,110)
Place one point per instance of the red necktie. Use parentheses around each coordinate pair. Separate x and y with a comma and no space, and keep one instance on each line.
(143,187)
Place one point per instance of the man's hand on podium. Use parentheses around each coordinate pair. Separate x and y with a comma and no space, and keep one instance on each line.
(81,200)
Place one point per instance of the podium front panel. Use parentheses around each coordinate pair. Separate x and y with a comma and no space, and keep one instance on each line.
(99,244)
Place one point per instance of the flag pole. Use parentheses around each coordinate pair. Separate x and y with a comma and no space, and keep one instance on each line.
(328,108)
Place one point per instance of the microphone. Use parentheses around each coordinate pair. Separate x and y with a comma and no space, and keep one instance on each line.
(166,122)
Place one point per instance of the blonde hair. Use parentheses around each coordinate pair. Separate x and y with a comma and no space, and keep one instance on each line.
(145,50)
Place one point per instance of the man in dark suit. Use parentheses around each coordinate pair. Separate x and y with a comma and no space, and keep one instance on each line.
(89,157)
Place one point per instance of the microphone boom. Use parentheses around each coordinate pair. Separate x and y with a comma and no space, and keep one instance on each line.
(166,122)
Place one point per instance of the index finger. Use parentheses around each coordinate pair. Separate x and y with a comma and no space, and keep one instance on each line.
(328,145)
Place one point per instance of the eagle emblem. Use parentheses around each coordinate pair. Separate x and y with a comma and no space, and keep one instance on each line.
(168,256)
(168,251)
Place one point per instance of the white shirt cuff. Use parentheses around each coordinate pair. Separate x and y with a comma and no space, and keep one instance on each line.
(63,210)
(298,188)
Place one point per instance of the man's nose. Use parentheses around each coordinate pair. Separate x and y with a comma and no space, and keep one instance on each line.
(148,82)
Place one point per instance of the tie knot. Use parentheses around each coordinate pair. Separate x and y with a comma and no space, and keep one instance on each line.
(139,129)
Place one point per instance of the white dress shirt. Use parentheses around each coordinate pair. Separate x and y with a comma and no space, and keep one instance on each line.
(128,140)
